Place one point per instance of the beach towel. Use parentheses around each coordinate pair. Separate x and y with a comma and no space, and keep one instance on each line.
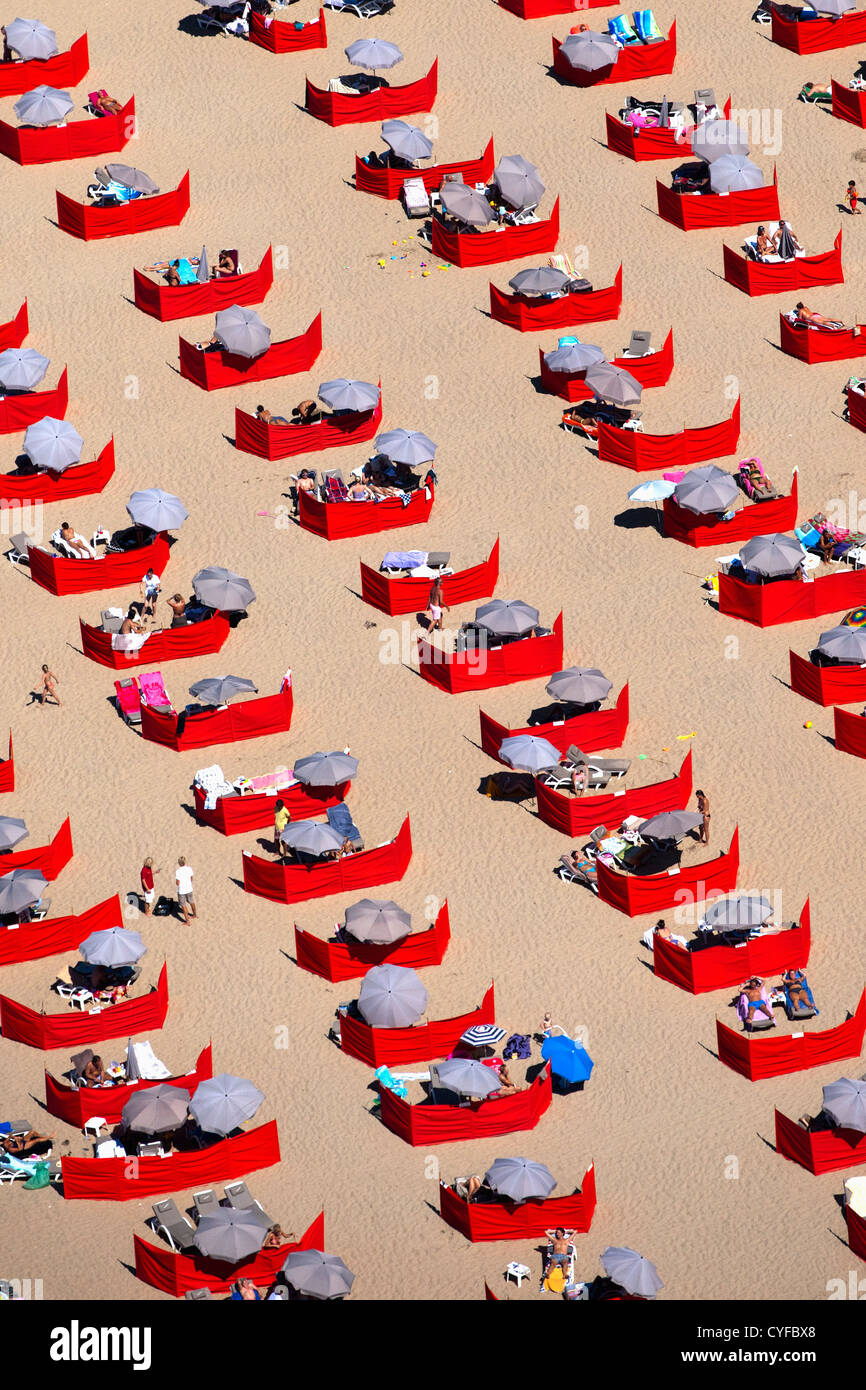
(646,26)
(404,559)
(518,1046)
(186,274)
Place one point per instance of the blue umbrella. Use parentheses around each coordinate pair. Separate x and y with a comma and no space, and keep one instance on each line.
(567,1059)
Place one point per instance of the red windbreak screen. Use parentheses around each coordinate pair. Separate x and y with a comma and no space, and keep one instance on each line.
(271,714)
(821,344)
(396,596)
(13,333)
(791,600)
(604,728)
(502,1220)
(238,815)
(379,1047)
(295,883)
(340,521)
(651,142)
(635,895)
(856,408)
(165,302)
(818,35)
(632,64)
(388,183)
(48,1031)
(81,480)
(444,1124)
(466,249)
(753,519)
(279,37)
(163,644)
(76,1104)
(270,441)
(543,9)
(645,453)
(529,314)
(33,940)
(76,140)
(133,1179)
(63,70)
(17,412)
(758,1058)
(176,1274)
(337,108)
(827,685)
(47,859)
(90,223)
(110,571)
(850,732)
(856,1231)
(695,211)
(652,370)
(725,967)
(349,960)
(7,770)
(828,1151)
(578,815)
(848,105)
(480,670)
(784,277)
(213,371)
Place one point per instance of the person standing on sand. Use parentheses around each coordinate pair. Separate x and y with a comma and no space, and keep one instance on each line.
(851,197)
(147,890)
(704,810)
(185,899)
(48,692)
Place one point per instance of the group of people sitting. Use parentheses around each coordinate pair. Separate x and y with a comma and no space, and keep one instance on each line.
(379,479)
(184,611)
(183,270)
(304,413)
(782,245)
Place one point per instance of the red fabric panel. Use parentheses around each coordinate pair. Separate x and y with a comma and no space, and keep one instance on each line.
(76,140)
(50,860)
(63,70)
(176,1274)
(280,37)
(577,815)
(269,441)
(108,572)
(269,714)
(134,1179)
(489,1295)
(388,183)
(632,64)
(466,249)
(163,644)
(790,600)
(443,1124)
(693,211)
(786,277)
(90,223)
(335,108)
(856,1231)
(652,370)
(7,770)
(379,1047)
(848,105)
(757,1059)
(725,967)
(166,302)
(238,815)
(296,883)
(340,521)
(81,480)
(754,519)
(850,732)
(856,408)
(13,333)
(49,937)
(605,728)
(17,412)
(525,660)
(543,9)
(214,370)
(396,596)
(827,685)
(814,345)
(818,35)
(503,1220)
(75,1104)
(649,142)
(635,895)
(340,960)
(529,314)
(76,1029)
(645,453)
(829,1151)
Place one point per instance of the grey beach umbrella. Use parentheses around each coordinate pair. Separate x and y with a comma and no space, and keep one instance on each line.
(230,1236)
(222,589)
(391,996)
(344,394)
(669,825)
(22,369)
(520,1179)
(734,174)
(52,444)
(541,279)
(518,181)
(31,39)
(705,490)
(573,357)
(156,1110)
(325,769)
(218,690)
(129,177)
(242,332)
(614,384)
(406,446)
(373,53)
(714,139)
(846,644)
(21,888)
(845,1102)
(407,141)
(772,555)
(158,510)
(526,753)
(223,1102)
(631,1271)
(318,1275)
(311,837)
(507,617)
(744,911)
(43,106)
(579,685)
(466,204)
(468,1078)
(12,832)
(114,946)
(378,921)
(589,51)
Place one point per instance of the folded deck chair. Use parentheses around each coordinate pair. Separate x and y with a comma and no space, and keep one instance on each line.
(170,1222)
(416,199)
(438,559)
(128,696)
(111,619)
(17,552)
(560,261)
(622,30)
(240,1198)
(340,819)
(705,96)
(639,343)
(333,487)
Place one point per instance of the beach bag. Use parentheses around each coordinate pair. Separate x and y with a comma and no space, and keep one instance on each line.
(555,1281)
(40,1177)
(517,1046)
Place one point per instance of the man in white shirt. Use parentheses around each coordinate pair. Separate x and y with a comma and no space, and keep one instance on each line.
(185,900)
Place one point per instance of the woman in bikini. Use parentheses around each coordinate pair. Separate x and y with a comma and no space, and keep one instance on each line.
(816,320)
(49,681)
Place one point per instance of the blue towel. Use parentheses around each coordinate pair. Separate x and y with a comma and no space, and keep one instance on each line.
(340,818)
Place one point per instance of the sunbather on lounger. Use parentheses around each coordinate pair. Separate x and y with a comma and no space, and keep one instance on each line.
(816,320)
(560,1253)
(226,265)
(815,91)
(75,541)
(26,1143)
(177,272)
(756,1004)
(785,239)
(759,480)
(798,991)
(94,1073)
(267,418)
(764,245)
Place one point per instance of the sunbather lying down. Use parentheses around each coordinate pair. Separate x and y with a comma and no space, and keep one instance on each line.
(751,468)
(814,319)
(180,271)
(815,91)
(26,1143)
(757,1005)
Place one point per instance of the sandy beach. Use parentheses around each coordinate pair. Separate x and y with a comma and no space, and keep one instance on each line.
(685,1167)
